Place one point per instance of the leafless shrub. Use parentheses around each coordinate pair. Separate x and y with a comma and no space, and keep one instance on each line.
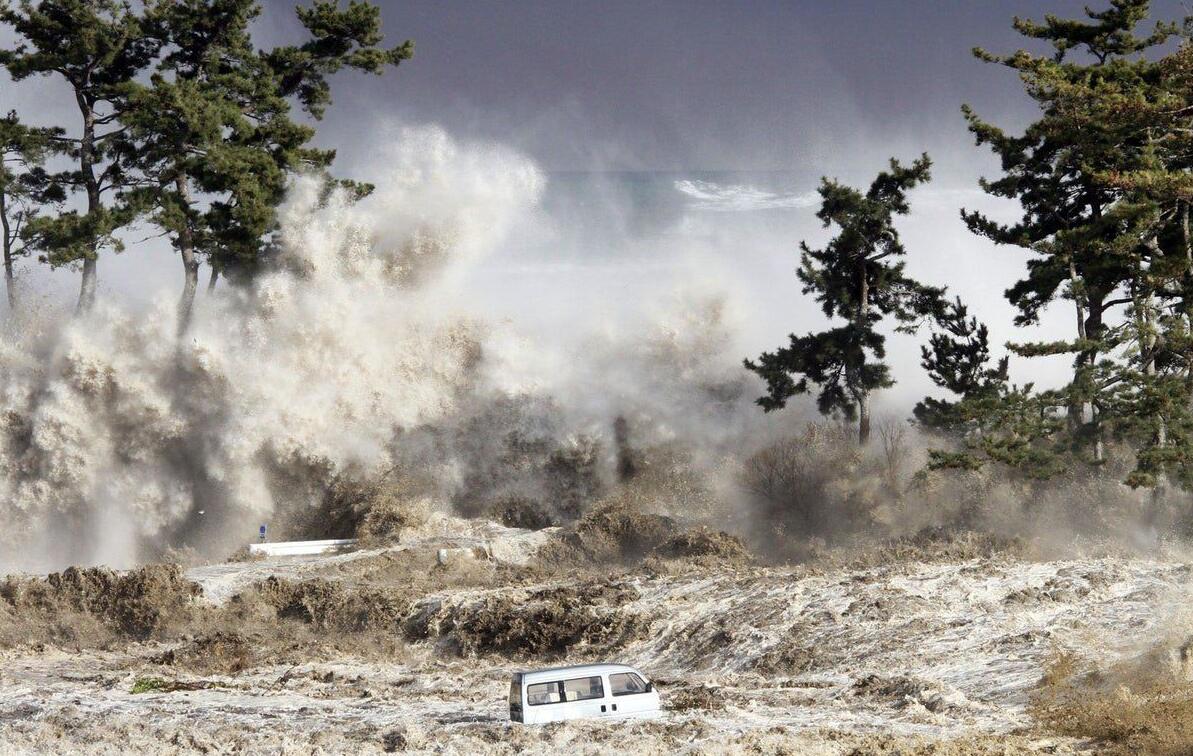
(1137,709)
(814,485)
(894,451)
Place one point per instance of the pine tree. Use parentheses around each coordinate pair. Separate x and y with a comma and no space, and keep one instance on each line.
(991,420)
(1085,240)
(858,277)
(957,358)
(25,187)
(178,121)
(97,47)
(215,139)
(1104,179)
(1144,109)
(340,38)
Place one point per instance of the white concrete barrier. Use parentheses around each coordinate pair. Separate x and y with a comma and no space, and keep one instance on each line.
(445,556)
(302,548)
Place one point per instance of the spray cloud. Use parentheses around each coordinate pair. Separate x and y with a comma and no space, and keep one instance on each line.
(361,350)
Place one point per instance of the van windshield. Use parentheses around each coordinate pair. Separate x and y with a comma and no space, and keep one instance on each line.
(516,692)
(626,684)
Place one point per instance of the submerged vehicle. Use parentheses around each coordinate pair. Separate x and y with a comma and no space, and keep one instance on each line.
(588,691)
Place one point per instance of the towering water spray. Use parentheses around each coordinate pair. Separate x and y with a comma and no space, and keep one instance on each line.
(356,350)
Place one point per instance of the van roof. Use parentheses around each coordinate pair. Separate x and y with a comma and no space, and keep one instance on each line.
(559,673)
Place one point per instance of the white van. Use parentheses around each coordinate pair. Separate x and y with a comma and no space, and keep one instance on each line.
(594,690)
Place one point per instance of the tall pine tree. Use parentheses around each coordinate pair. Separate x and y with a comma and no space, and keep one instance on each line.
(214,134)
(25,188)
(858,277)
(97,47)
(1084,240)
(1144,111)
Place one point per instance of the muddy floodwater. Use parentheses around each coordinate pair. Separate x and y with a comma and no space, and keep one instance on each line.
(933,655)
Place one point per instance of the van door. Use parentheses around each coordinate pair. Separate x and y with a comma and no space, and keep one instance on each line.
(629,695)
(585,697)
(574,698)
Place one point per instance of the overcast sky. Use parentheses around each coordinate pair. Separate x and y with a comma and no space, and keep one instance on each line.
(677,84)
(697,84)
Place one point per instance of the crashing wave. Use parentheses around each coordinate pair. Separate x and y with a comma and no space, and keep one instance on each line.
(360,350)
(708,195)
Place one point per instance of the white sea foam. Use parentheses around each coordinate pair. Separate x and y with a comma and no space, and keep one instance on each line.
(709,195)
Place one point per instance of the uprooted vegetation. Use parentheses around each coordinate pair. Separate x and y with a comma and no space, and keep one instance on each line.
(380,601)
(221,652)
(902,692)
(159,685)
(931,544)
(573,597)
(611,533)
(521,512)
(96,608)
(287,621)
(327,605)
(1140,705)
(698,697)
(546,622)
(370,611)
(95,605)
(374,509)
(810,497)
(615,532)
(704,545)
(818,494)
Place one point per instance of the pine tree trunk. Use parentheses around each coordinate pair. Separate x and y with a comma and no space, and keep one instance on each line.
(87,287)
(186,303)
(863,422)
(1188,242)
(215,276)
(863,397)
(1088,358)
(1078,410)
(9,282)
(1077,300)
(1188,262)
(1149,341)
(190,263)
(87,169)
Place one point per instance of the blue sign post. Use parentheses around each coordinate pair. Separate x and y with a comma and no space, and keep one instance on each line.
(261,533)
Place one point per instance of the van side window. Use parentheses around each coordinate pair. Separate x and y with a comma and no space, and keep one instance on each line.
(626,684)
(578,689)
(583,689)
(543,693)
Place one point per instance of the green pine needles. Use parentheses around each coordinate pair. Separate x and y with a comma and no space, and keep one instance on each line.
(183,122)
(857,277)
